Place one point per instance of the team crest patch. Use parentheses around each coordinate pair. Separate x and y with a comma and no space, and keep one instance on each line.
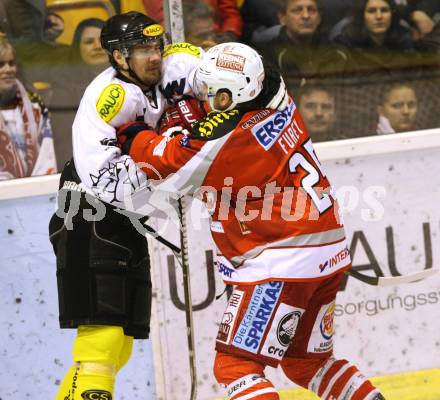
(110,102)
(153,30)
(182,47)
(229,317)
(326,325)
(321,339)
(282,331)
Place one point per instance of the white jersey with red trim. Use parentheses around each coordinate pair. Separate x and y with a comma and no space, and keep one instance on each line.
(274,216)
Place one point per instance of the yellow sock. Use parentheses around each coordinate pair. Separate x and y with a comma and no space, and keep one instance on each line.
(66,385)
(95,381)
(88,381)
(125,353)
(99,352)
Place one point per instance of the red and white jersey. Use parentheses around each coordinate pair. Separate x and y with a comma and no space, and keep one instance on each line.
(273,213)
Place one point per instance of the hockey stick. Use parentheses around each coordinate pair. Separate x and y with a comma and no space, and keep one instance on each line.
(392,280)
(187,296)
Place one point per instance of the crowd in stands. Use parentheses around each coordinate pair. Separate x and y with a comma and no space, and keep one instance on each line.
(355,67)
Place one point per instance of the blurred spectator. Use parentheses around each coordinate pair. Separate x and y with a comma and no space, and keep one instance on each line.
(336,10)
(86,54)
(376,38)
(154,9)
(317,107)
(33,31)
(86,60)
(397,109)
(26,146)
(4,24)
(425,15)
(228,23)
(302,50)
(199,25)
(53,27)
(258,16)
(30,22)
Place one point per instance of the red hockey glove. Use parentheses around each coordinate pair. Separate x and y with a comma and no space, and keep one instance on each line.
(184,114)
(127,132)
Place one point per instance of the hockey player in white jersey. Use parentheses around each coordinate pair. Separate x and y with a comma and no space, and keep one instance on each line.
(103,273)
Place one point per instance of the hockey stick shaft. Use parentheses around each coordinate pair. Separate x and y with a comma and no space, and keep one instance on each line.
(392,280)
(187,297)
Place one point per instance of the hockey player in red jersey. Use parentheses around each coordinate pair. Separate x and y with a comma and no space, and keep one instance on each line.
(274,220)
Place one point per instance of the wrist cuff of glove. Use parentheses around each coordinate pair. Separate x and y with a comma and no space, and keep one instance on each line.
(136,146)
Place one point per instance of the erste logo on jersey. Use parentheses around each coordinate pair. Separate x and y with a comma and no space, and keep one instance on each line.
(267,131)
(110,102)
(251,331)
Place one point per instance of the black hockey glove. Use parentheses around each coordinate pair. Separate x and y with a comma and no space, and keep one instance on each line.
(127,132)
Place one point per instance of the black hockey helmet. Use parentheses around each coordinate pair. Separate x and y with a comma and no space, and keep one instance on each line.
(123,31)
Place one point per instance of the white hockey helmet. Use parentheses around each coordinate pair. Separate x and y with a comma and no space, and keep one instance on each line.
(232,66)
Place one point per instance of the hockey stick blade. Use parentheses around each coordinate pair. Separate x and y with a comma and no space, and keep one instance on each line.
(392,280)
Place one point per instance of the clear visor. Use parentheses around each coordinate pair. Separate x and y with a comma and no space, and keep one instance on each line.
(147,46)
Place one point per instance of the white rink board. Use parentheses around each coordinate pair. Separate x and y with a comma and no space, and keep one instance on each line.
(34,352)
(401,335)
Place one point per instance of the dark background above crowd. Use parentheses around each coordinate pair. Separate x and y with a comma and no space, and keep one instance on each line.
(336,56)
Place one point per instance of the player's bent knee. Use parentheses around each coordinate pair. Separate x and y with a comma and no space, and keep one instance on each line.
(97,343)
(330,378)
(302,370)
(228,368)
(243,377)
